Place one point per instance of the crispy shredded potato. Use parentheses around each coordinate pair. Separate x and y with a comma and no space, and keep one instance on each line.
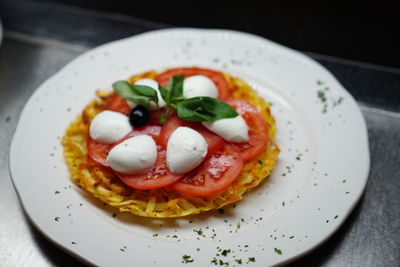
(102,183)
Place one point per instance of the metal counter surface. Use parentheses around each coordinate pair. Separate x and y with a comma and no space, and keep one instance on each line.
(369,237)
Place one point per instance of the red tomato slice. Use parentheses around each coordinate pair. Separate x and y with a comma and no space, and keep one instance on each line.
(213,175)
(214,141)
(156,177)
(117,103)
(216,77)
(98,151)
(258,130)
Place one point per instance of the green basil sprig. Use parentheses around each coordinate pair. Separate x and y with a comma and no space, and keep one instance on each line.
(198,109)
(204,108)
(139,94)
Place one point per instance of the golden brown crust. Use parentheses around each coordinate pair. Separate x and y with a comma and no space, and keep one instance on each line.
(161,203)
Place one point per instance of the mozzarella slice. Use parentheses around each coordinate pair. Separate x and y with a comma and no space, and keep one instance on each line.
(199,85)
(108,127)
(186,149)
(232,129)
(133,155)
(153,84)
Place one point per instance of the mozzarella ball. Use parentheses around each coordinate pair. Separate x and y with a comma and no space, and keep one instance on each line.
(199,85)
(134,155)
(186,149)
(108,127)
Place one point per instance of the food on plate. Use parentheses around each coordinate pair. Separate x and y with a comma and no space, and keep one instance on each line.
(172,144)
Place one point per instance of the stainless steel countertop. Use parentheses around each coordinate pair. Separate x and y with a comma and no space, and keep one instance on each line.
(369,237)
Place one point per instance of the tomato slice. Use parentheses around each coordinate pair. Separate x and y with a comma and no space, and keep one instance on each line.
(117,103)
(213,175)
(216,77)
(156,177)
(214,141)
(98,151)
(258,130)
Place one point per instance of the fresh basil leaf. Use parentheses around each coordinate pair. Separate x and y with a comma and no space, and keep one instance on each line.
(125,90)
(145,90)
(164,93)
(175,86)
(204,108)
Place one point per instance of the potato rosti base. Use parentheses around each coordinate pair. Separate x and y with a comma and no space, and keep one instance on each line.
(102,183)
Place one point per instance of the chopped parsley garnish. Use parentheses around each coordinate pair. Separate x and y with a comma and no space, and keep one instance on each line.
(56,192)
(199,232)
(277,250)
(187,259)
(239,261)
(155,234)
(251,259)
(225,252)
(73,243)
(57,219)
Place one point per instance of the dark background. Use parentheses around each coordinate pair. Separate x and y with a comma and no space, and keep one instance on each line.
(366,31)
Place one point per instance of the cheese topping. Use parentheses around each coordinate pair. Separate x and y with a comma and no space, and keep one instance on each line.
(232,129)
(186,149)
(134,155)
(108,127)
(199,85)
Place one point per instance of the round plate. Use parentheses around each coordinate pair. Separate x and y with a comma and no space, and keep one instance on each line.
(321,171)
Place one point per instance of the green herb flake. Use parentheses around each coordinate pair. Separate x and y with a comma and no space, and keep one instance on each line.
(214,261)
(174,236)
(199,232)
(8,118)
(57,219)
(114,215)
(239,261)
(278,251)
(56,192)
(337,216)
(187,259)
(291,237)
(251,259)
(197,249)
(73,243)
(225,252)
(155,234)
(221,262)
(344,181)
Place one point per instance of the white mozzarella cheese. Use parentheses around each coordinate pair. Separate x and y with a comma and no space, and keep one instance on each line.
(108,127)
(232,129)
(199,85)
(134,155)
(186,149)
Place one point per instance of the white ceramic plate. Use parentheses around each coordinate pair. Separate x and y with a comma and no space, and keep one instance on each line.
(321,172)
